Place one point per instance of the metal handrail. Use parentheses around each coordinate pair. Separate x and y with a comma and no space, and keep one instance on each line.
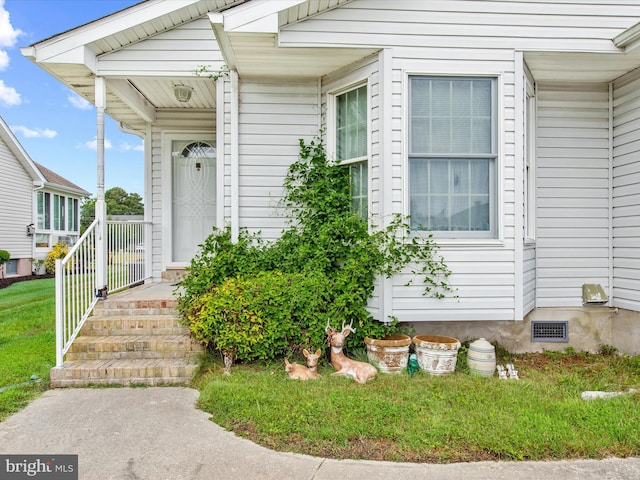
(76,274)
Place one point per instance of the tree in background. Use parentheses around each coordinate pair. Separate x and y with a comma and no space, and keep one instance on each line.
(118,201)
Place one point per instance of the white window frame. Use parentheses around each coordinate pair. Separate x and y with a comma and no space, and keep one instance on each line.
(495,233)
(332,124)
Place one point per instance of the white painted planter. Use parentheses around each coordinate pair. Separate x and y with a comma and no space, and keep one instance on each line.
(436,354)
(390,354)
(481,358)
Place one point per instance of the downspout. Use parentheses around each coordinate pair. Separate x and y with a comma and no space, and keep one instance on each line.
(385,161)
(101,209)
(235,158)
(611,279)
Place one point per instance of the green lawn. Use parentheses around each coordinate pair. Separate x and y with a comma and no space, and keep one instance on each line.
(27,341)
(424,418)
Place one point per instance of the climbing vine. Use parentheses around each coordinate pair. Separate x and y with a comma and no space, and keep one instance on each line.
(323,268)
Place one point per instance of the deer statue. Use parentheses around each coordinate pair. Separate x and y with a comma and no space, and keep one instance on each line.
(300,372)
(359,371)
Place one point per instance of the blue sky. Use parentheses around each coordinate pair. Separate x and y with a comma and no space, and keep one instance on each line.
(55,126)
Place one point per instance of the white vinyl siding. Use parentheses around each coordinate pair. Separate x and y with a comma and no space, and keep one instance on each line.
(16,205)
(179,51)
(626,193)
(572,237)
(272,119)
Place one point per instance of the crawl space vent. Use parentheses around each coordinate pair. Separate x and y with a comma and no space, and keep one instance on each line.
(549,331)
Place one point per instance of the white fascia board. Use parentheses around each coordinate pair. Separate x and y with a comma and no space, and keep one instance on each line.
(9,138)
(217,24)
(83,35)
(629,39)
(257,16)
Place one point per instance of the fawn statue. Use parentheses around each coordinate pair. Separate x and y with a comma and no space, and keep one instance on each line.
(300,372)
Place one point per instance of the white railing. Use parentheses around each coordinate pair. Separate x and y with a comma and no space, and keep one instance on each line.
(126,259)
(76,275)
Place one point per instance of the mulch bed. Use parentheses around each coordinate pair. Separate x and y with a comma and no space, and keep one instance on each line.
(5,282)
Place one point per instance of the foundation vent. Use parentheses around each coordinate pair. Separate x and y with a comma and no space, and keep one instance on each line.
(549,331)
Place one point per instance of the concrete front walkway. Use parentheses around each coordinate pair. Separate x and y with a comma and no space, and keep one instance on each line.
(157,433)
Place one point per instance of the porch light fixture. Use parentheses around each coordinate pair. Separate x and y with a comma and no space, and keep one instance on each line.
(182,92)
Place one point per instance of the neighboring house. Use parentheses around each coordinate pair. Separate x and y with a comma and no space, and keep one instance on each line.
(57,212)
(37,206)
(510,129)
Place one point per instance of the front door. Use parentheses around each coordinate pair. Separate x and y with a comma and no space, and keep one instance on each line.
(193,196)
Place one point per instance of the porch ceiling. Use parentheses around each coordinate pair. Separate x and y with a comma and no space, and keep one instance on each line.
(258,55)
(579,67)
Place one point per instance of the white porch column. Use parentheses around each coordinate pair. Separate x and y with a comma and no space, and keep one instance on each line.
(101,207)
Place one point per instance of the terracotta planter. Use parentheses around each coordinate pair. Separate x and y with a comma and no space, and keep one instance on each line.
(390,354)
(436,354)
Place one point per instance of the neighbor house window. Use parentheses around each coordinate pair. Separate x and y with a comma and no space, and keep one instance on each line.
(72,214)
(351,143)
(58,212)
(453,155)
(44,209)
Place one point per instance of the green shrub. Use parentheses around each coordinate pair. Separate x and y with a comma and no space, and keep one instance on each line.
(58,251)
(4,258)
(256,301)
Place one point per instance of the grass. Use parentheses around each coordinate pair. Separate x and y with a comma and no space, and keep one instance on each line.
(27,341)
(445,419)
(395,417)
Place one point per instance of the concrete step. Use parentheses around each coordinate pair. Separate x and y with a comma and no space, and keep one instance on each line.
(133,347)
(123,372)
(134,325)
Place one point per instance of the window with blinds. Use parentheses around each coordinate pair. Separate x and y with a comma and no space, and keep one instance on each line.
(351,144)
(453,155)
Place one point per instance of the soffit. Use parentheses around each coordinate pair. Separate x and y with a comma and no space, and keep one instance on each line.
(581,67)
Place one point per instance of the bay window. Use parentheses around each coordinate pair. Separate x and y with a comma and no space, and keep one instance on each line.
(453,155)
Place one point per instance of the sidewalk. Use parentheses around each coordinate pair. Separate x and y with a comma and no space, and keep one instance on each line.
(157,433)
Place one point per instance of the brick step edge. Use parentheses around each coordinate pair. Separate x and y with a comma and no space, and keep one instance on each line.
(110,332)
(156,382)
(102,371)
(191,355)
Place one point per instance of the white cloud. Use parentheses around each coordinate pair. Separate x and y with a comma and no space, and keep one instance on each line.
(93,144)
(34,133)
(8,35)
(127,147)
(78,102)
(9,97)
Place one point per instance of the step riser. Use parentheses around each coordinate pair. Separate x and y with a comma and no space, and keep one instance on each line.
(97,332)
(134,312)
(133,326)
(115,372)
(126,375)
(151,382)
(148,354)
